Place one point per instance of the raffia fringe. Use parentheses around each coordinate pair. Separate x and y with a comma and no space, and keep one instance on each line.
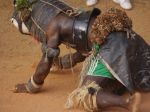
(85,67)
(81,98)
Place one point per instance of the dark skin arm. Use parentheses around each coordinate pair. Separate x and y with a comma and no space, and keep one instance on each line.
(39,76)
(44,66)
(42,69)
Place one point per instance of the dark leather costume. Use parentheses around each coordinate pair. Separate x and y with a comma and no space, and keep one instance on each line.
(80,39)
(49,9)
(80,29)
(129,58)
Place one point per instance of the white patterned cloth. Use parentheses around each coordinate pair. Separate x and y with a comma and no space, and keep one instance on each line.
(91,2)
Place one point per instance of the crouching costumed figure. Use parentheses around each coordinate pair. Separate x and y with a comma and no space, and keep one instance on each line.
(119,60)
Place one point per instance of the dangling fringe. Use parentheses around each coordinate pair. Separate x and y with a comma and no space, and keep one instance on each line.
(85,67)
(81,97)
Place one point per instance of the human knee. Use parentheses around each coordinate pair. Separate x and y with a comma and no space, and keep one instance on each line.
(50,52)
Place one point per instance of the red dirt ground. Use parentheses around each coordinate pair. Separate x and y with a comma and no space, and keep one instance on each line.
(19,56)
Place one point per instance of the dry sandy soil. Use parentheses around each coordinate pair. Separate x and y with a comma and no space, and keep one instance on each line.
(20,54)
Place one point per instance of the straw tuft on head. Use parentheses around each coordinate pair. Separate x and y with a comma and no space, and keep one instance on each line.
(111,21)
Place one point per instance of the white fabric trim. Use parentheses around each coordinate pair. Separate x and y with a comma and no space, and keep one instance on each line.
(111,70)
(34,84)
(28,89)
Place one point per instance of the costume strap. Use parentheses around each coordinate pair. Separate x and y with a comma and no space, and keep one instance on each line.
(32,87)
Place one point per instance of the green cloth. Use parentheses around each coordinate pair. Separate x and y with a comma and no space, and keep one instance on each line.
(21,4)
(96,47)
(97,67)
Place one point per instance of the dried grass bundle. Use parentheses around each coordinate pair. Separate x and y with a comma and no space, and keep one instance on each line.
(111,21)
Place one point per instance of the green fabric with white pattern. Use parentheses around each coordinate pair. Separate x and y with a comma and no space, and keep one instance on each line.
(97,67)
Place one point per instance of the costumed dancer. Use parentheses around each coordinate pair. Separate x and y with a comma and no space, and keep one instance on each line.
(116,48)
